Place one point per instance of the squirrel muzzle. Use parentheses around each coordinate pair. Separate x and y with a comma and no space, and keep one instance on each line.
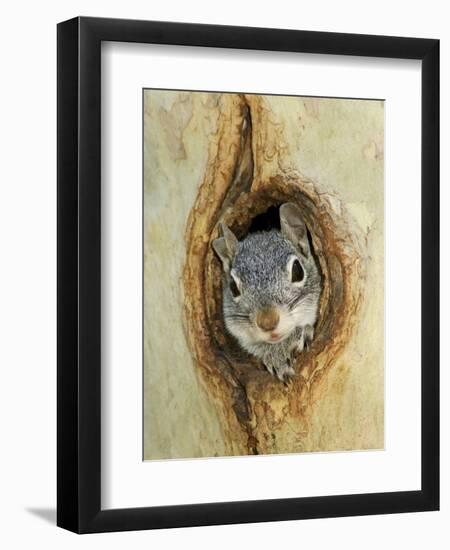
(267,319)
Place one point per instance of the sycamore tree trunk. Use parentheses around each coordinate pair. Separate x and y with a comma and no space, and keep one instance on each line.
(229,157)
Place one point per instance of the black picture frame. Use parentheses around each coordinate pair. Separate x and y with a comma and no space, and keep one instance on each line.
(79,280)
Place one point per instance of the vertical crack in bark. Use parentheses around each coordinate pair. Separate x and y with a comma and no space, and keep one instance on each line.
(242,177)
(241,182)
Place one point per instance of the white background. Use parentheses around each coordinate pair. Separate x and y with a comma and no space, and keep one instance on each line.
(28,274)
(127,481)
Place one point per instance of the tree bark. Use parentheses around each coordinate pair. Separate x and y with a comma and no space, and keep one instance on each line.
(326,156)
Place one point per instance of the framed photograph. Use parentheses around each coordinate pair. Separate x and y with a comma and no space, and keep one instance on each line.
(248,275)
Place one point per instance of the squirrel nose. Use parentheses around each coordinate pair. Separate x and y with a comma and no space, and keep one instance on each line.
(267,319)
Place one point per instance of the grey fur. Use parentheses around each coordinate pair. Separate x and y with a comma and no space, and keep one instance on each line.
(260,266)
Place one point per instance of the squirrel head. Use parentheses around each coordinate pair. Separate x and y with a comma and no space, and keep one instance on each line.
(271,281)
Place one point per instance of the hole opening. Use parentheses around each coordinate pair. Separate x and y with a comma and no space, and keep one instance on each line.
(260,212)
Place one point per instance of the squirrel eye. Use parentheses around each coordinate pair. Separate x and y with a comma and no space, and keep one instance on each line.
(297,273)
(234,289)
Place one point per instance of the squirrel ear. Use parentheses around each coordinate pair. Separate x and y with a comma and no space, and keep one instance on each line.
(225,246)
(293,227)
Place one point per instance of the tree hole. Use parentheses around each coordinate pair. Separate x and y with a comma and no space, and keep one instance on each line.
(260,212)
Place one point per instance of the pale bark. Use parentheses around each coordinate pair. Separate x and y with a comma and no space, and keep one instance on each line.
(213,157)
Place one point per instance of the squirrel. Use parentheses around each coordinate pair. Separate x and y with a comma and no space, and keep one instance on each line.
(271,286)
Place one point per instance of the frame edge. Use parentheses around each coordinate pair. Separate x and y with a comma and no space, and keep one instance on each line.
(78,406)
(67,275)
